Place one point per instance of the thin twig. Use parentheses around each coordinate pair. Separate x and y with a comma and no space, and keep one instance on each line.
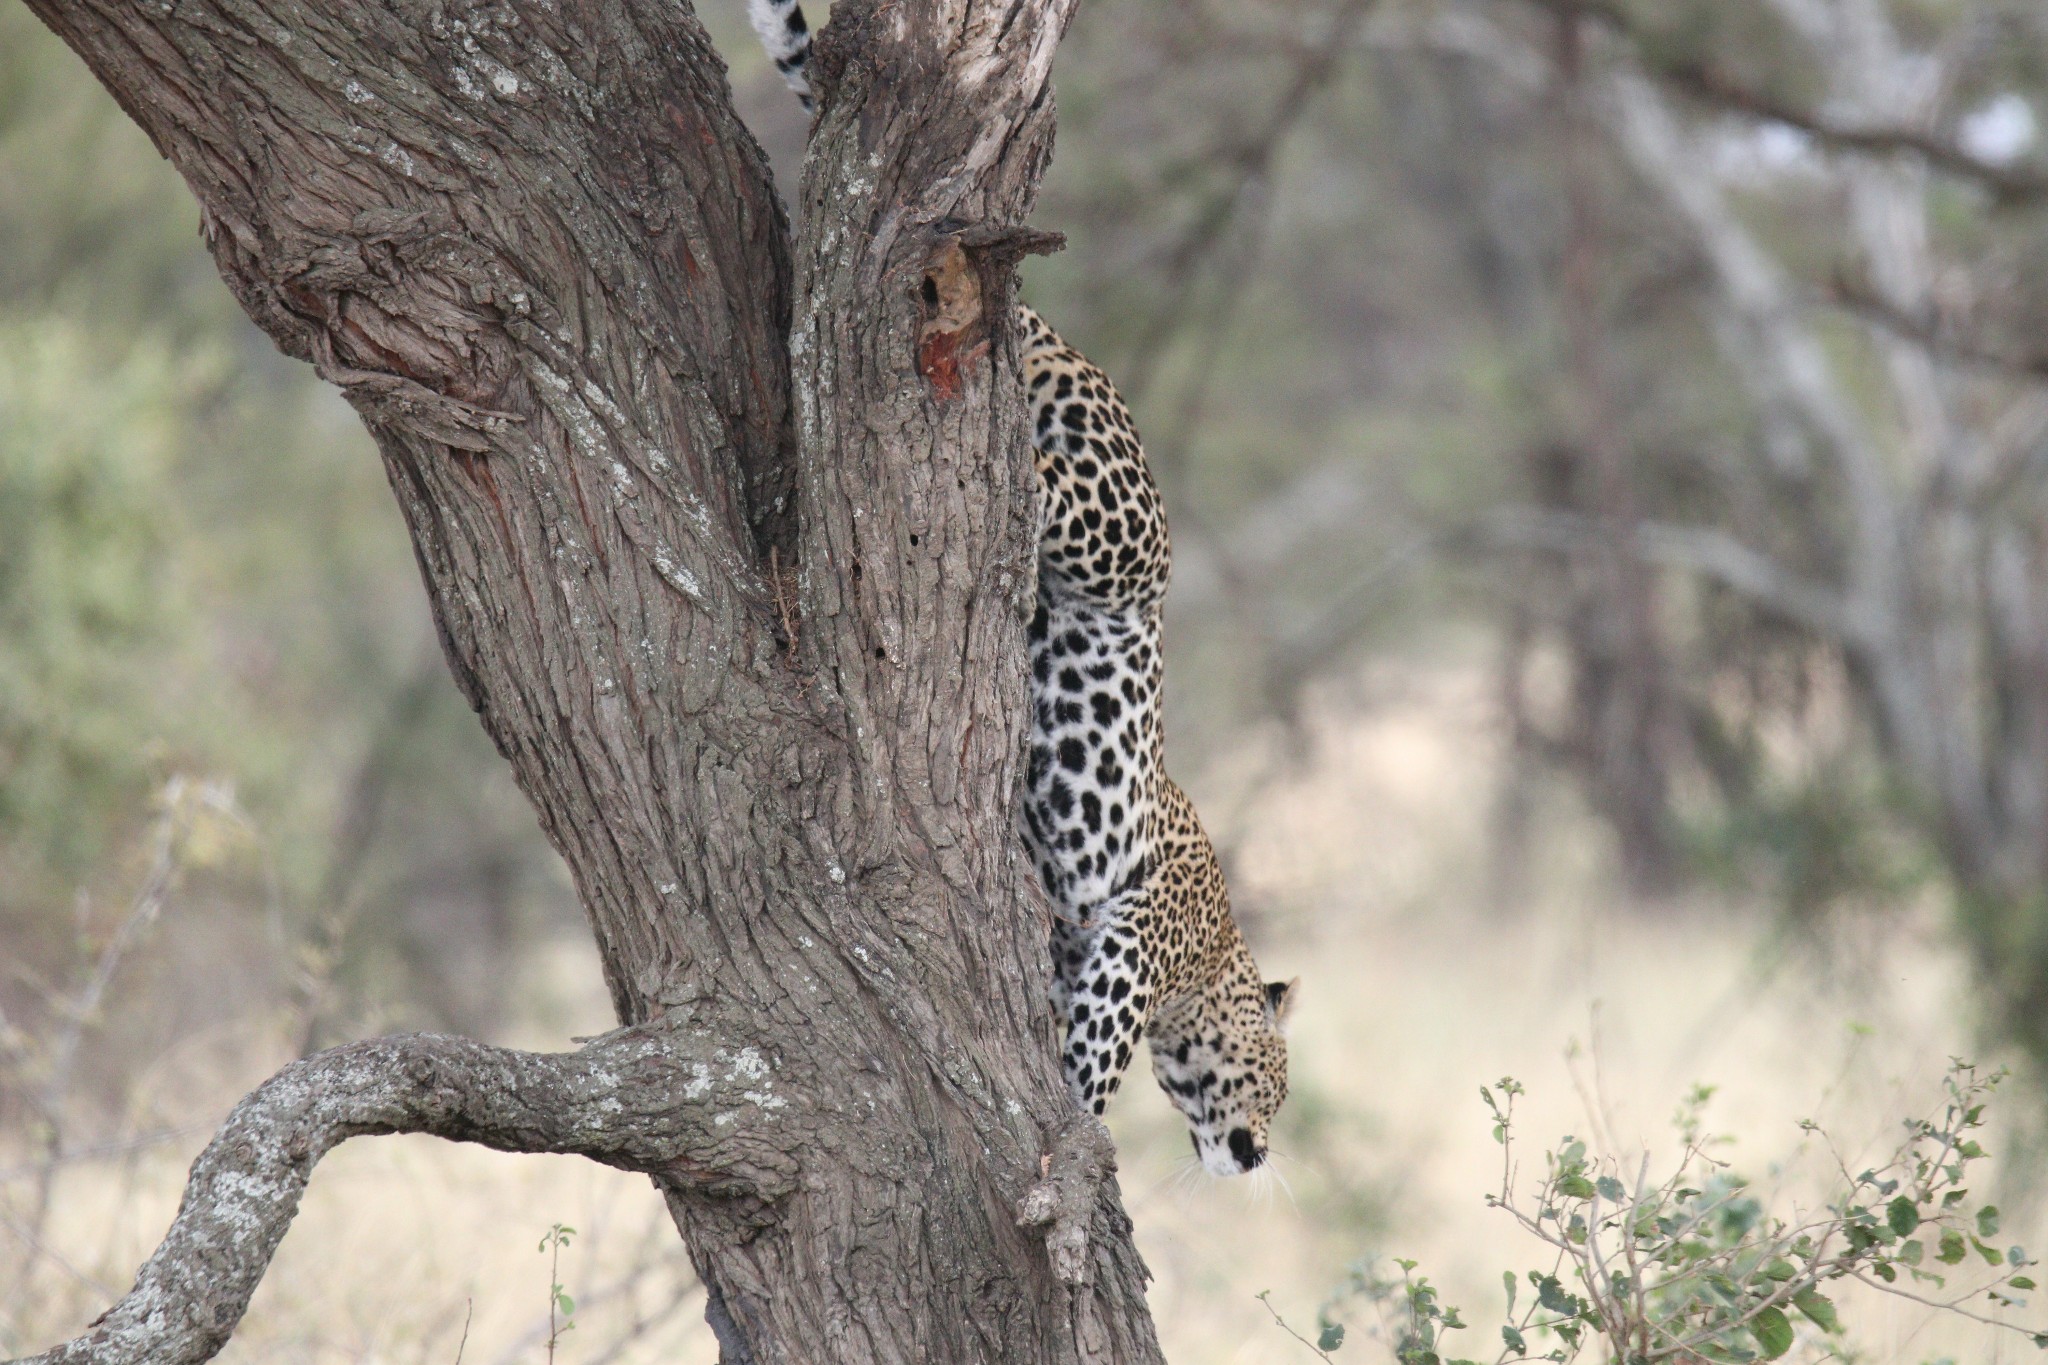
(1950,1306)
(1261,1297)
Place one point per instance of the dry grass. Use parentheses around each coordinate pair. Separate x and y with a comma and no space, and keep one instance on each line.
(1367,876)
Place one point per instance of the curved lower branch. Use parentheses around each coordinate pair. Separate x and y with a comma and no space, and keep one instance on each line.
(653,1098)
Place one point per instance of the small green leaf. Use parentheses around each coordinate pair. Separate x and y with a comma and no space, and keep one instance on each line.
(1551,1294)
(1514,1341)
(1780,1270)
(2021,1282)
(1819,1310)
(1575,1186)
(1911,1253)
(1987,1221)
(568,1304)
(1611,1190)
(1773,1332)
(1902,1216)
(1507,1278)
(1331,1337)
(1991,1255)
(1953,1248)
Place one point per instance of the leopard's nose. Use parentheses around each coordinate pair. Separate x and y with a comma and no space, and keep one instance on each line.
(1247,1153)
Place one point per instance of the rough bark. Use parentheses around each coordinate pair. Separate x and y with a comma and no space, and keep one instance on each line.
(729,540)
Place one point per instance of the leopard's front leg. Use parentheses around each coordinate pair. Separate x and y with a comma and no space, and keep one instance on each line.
(1104,991)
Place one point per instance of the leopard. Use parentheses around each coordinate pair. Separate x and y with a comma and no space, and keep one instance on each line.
(1144,944)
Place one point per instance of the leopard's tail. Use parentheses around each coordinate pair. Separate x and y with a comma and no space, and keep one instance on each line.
(788,40)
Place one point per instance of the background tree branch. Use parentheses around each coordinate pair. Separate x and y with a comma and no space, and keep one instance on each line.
(1701,80)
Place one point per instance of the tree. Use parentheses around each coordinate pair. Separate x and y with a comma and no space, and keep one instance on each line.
(728,533)
(1880,532)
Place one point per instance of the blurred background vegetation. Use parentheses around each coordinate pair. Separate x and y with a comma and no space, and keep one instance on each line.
(1607,450)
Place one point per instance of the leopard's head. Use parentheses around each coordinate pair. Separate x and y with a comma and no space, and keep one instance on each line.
(1222,1060)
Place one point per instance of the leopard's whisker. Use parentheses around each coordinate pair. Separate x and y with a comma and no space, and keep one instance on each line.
(1306,1168)
(1191,1173)
(1174,1179)
(1280,1179)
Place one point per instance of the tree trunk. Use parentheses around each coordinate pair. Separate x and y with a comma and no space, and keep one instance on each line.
(730,541)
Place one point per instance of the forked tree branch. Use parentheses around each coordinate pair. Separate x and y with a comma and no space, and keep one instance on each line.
(613,1101)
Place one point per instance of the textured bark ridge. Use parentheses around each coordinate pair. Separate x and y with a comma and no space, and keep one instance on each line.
(729,537)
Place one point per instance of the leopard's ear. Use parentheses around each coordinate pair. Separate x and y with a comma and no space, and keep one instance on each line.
(1280,997)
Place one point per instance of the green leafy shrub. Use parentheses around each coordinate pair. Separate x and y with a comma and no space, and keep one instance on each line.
(1696,1268)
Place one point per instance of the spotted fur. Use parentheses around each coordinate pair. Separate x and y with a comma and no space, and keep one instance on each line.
(1144,945)
(782,30)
